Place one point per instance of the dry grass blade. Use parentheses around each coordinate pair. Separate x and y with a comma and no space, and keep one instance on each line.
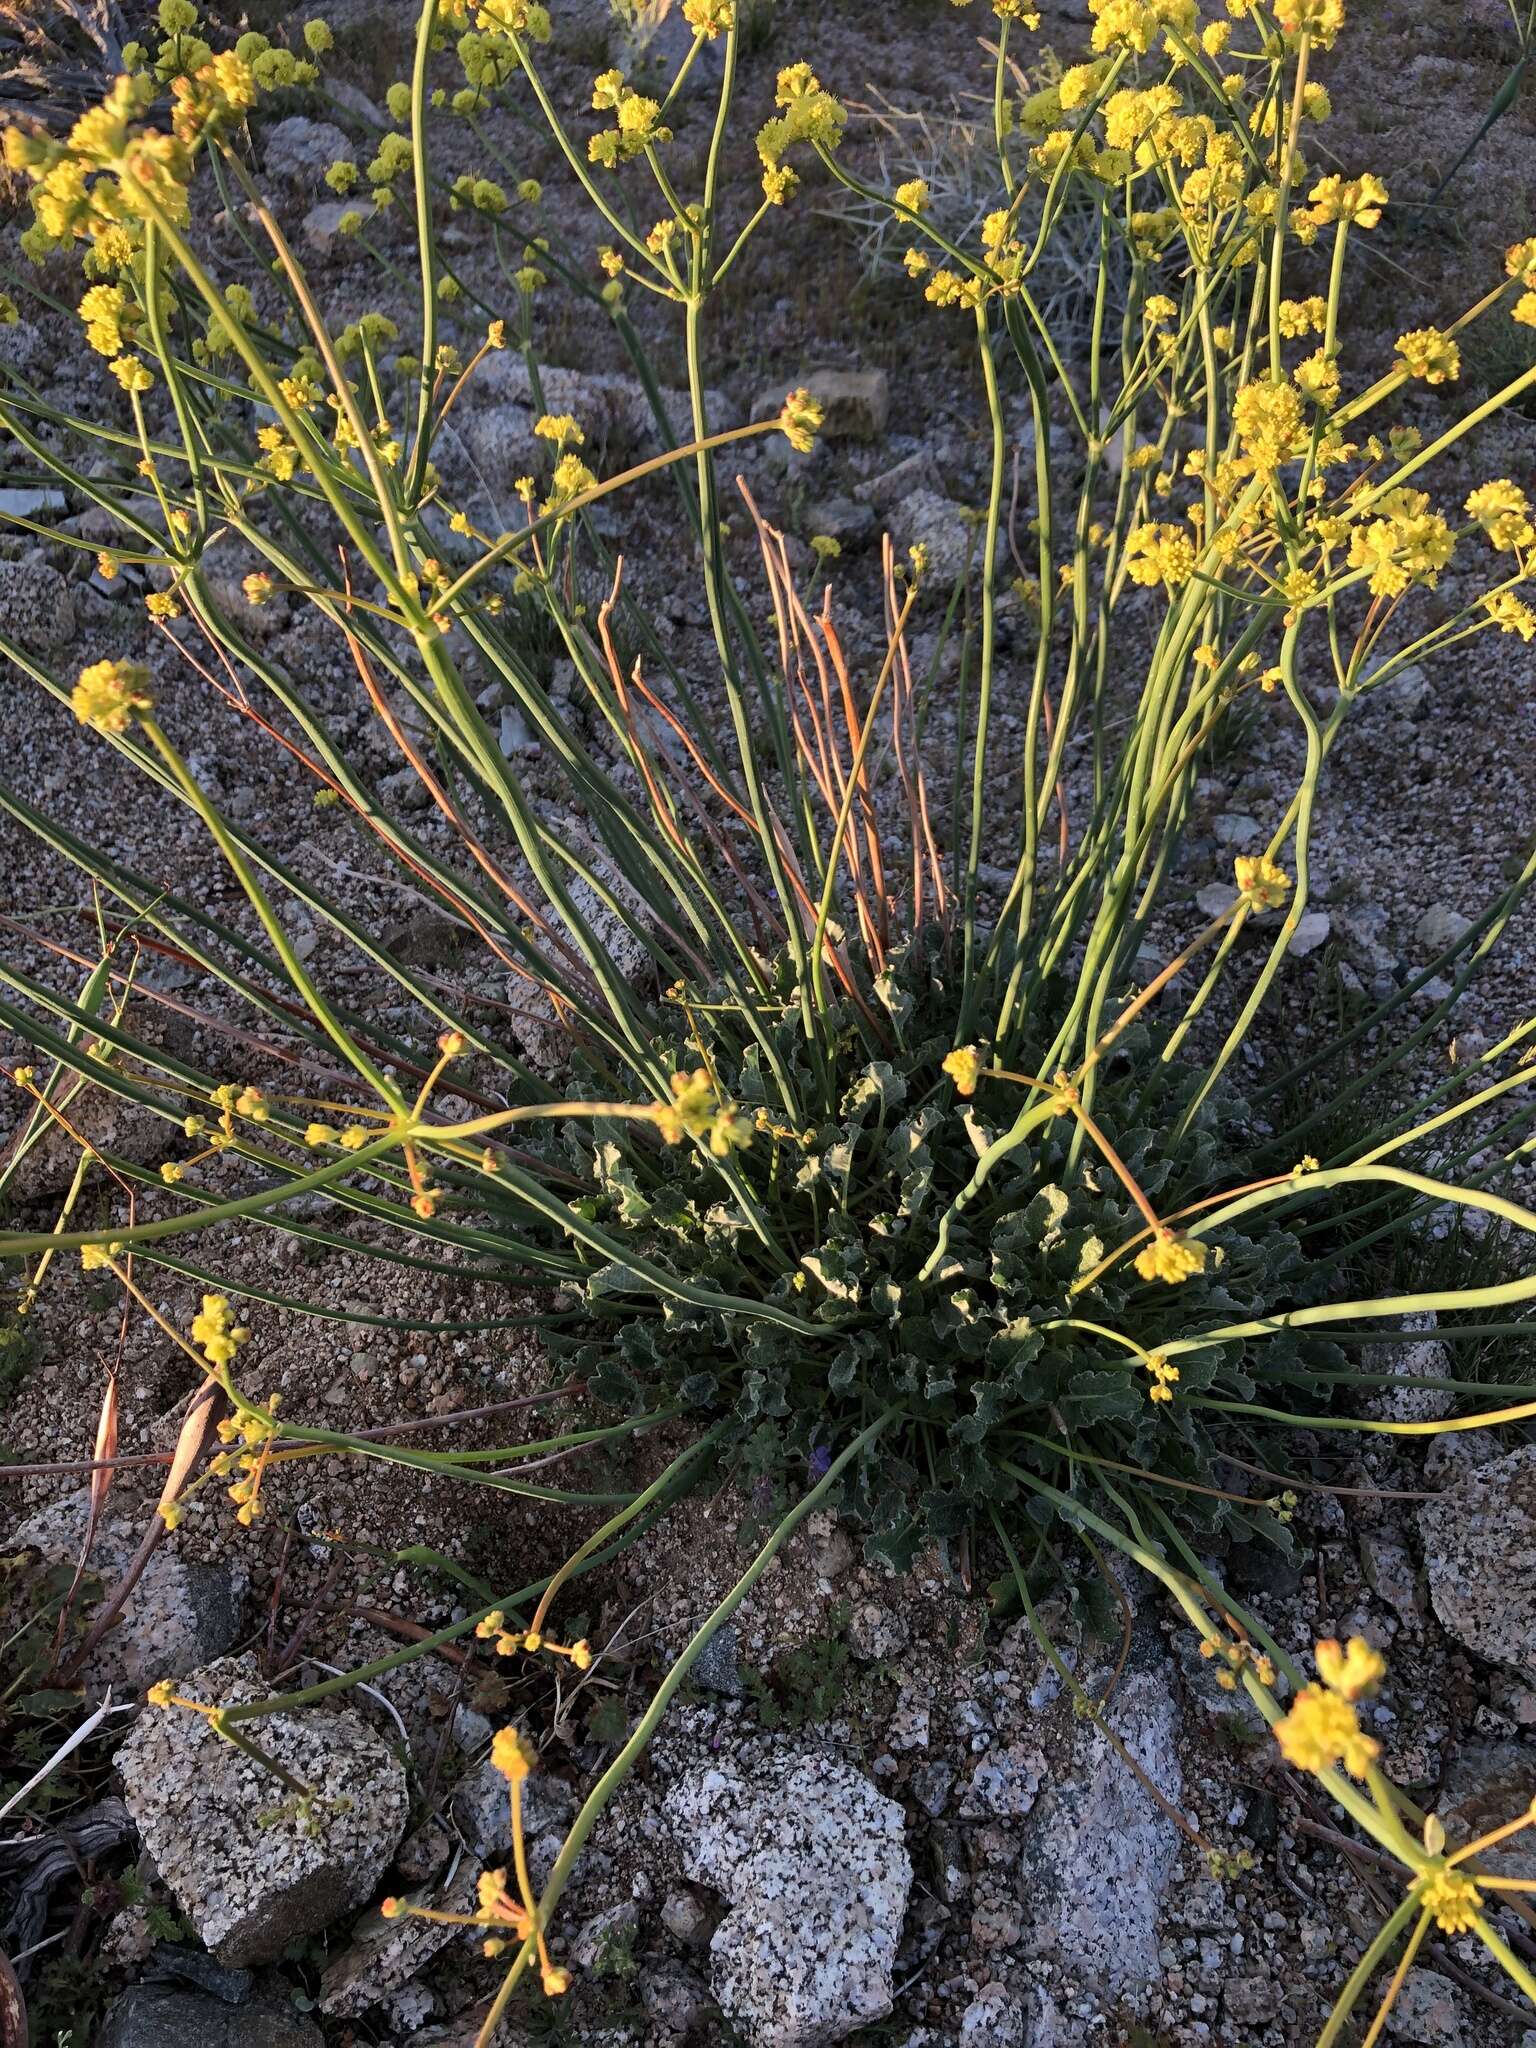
(207,1407)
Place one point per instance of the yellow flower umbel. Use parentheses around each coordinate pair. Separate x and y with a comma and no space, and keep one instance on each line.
(1171,1257)
(1426,352)
(216,1331)
(1271,423)
(510,1641)
(697,1111)
(1163,1374)
(1501,510)
(1260,883)
(1452,1898)
(1322,1729)
(800,420)
(963,1067)
(109,693)
(1159,553)
(1408,544)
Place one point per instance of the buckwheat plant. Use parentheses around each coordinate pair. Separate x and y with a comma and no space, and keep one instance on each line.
(823,1068)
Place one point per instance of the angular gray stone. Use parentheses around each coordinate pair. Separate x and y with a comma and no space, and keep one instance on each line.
(1429,2011)
(925,518)
(856,403)
(845,519)
(383,1955)
(1005,1782)
(992,2020)
(892,485)
(302,150)
(876,1632)
(321,226)
(1440,927)
(29,501)
(1480,1555)
(1312,930)
(1099,1851)
(160,2016)
(813,1863)
(1488,1784)
(179,1616)
(1236,828)
(1362,933)
(250,1870)
(1392,1575)
(1417,1354)
(676,2000)
(686,1920)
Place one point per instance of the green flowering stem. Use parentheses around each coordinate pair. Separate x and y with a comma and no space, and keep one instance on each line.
(1283,201)
(984,683)
(537,528)
(293,966)
(609,1783)
(154,308)
(1375,1955)
(1025,1124)
(573,156)
(294,424)
(21,1243)
(219,1722)
(1501,399)
(426,251)
(1502,1954)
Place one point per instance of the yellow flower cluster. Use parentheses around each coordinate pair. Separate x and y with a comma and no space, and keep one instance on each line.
(1322,1728)
(1302,316)
(963,1066)
(1260,883)
(1137,24)
(254,1432)
(1428,353)
(809,114)
(1271,423)
(1318,20)
(696,1111)
(1502,511)
(1355,201)
(800,420)
(108,693)
(510,1641)
(710,18)
(1159,553)
(1510,614)
(637,122)
(1163,1374)
(1171,1257)
(1406,544)
(1452,1897)
(217,1332)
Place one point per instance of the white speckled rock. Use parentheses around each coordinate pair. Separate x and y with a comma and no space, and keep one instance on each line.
(179,1615)
(250,1872)
(1480,1557)
(384,1955)
(1417,1354)
(1099,1851)
(813,1862)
